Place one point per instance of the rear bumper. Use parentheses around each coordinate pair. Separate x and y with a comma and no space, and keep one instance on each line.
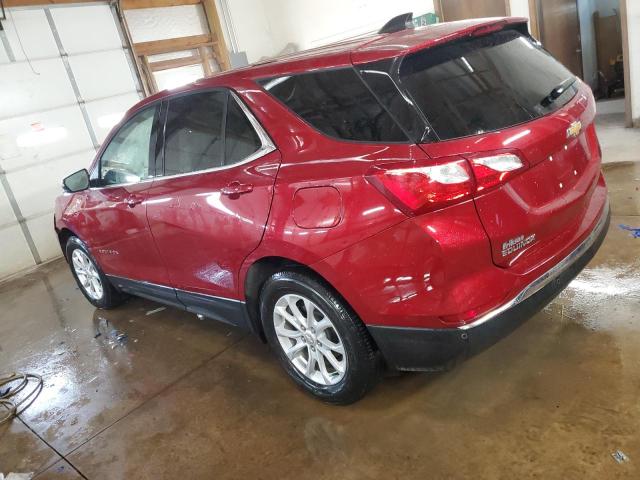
(435,349)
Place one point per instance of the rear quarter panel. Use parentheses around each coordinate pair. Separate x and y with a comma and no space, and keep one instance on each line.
(311,159)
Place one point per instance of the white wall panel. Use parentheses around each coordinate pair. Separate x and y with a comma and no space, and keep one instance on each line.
(36,188)
(176,77)
(312,24)
(13,130)
(44,129)
(253,30)
(147,24)
(44,237)
(4,58)
(519,8)
(15,253)
(102,74)
(106,113)
(6,213)
(35,34)
(86,28)
(264,27)
(22,91)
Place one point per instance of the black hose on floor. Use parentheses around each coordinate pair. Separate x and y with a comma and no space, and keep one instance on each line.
(11,386)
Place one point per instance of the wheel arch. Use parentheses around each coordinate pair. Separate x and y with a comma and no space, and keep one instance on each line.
(261,270)
(64,234)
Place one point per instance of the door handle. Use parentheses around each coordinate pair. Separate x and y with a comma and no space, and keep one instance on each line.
(133,200)
(236,188)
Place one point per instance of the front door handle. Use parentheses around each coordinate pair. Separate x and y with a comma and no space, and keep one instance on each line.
(133,200)
(235,189)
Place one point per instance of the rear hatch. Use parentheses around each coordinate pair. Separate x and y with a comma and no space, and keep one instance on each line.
(524,124)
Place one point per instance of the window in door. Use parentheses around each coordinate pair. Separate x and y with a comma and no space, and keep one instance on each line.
(207,130)
(193,133)
(127,157)
(241,140)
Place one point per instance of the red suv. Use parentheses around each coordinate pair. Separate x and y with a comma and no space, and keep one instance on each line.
(399,200)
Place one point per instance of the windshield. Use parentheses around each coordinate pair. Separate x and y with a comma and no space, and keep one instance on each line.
(485,83)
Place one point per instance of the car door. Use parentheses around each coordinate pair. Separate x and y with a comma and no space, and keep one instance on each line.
(114,221)
(209,210)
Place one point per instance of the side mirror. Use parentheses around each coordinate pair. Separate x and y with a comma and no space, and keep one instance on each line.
(76,182)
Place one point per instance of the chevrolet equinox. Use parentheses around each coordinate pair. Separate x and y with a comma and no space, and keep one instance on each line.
(398,201)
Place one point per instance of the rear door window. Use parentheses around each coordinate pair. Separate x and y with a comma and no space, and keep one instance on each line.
(194,132)
(484,84)
(338,103)
(207,130)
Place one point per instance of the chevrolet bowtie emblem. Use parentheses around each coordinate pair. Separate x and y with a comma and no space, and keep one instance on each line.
(574,130)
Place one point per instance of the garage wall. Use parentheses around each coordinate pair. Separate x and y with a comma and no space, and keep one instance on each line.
(65,80)
(311,24)
(263,28)
(633,58)
(519,8)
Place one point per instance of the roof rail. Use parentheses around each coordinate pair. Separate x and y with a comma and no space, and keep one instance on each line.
(396,24)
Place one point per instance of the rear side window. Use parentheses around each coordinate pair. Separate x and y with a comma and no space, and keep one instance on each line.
(337,103)
(241,140)
(378,78)
(484,84)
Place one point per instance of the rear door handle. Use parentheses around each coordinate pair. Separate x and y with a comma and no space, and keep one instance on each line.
(133,200)
(236,188)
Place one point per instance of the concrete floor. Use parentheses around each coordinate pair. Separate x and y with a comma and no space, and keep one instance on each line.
(184,398)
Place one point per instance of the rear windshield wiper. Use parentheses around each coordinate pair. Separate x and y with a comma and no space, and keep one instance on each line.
(557,91)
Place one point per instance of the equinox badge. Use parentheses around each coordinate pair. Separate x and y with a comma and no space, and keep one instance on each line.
(518,243)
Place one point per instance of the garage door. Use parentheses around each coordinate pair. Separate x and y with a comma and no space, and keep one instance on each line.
(66,77)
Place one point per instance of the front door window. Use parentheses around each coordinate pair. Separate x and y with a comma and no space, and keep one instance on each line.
(127,158)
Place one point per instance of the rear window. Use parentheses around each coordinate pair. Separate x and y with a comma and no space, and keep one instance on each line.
(338,103)
(484,84)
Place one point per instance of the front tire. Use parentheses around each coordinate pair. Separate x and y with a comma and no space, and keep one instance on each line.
(93,283)
(323,346)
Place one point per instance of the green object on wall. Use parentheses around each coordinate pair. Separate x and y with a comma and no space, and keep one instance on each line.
(426,19)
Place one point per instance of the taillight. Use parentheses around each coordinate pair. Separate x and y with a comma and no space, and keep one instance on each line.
(420,189)
(496,169)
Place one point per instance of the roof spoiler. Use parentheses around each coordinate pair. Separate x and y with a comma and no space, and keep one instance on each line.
(397,24)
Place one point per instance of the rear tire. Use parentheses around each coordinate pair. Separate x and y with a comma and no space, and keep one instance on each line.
(323,346)
(91,280)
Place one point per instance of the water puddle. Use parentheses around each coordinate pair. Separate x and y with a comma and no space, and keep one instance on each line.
(110,335)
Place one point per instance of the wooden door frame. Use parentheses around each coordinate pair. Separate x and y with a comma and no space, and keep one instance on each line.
(206,46)
(628,114)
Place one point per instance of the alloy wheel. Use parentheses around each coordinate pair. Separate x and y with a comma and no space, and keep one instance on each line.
(309,339)
(87,274)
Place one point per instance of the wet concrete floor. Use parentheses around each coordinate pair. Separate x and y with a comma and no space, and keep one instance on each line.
(183,398)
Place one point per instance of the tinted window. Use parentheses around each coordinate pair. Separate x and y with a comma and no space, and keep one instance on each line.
(126,158)
(484,84)
(241,140)
(193,133)
(337,103)
(377,76)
